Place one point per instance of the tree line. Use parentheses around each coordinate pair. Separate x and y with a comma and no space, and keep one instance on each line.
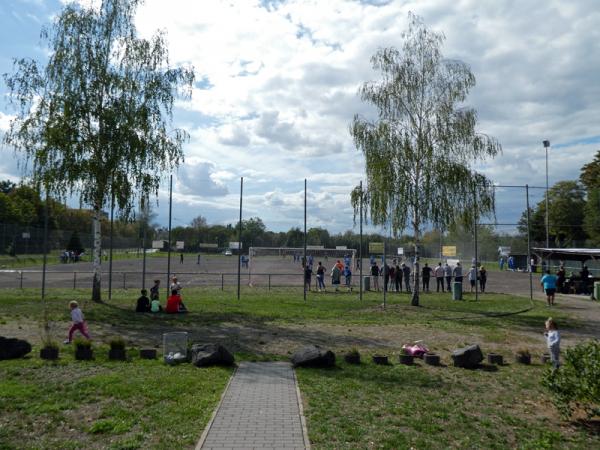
(573,211)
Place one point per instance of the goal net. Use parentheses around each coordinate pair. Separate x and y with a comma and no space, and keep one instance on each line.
(283,266)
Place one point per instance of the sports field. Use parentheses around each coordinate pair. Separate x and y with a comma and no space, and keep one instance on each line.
(103,404)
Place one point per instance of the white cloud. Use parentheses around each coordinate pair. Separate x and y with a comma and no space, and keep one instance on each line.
(277,89)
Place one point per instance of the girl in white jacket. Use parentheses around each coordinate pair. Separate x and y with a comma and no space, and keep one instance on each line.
(553,341)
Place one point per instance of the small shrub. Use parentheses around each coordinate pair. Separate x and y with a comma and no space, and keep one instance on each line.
(576,385)
(50,343)
(117,344)
(82,343)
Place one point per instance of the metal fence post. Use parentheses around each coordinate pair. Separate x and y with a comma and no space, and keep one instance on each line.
(74,279)
(124,276)
(222,282)
(21,280)
(269,281)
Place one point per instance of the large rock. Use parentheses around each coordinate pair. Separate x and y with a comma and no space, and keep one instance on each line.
(313,356)
(203,355)
(11,348)
(468,357)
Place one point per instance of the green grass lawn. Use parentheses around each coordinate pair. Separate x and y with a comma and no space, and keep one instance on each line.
(423,407)
(102,404)
(145,404)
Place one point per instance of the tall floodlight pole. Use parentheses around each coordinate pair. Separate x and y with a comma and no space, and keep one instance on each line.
(360,291)
(305,265)
(110,250)
(239,255)
(546,146)
(169,243)
(529,243)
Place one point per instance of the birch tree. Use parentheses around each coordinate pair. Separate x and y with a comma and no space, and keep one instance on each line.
(95,120)
(420,147)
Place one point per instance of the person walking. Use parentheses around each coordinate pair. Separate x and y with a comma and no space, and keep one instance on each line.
(78,322)
(426,274)
(336,273)
(548,283)
(181,258)
(392,277)
(482,278)
(439,277)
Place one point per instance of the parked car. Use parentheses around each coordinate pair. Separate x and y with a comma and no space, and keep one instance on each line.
(228,253)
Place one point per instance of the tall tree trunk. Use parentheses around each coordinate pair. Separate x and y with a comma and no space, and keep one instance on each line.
(415,293)
(97,257)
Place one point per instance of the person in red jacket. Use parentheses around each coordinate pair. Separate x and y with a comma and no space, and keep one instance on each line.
(174,303)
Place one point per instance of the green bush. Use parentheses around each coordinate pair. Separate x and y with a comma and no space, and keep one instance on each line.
(576,385)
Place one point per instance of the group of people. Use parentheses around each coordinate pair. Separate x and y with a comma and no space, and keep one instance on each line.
(393,276)
(338,271)
(174,303)
(70,256)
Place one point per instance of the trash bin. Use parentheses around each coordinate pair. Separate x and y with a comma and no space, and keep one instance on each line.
(597,290)
(175,347)
(457,290)
(366,283)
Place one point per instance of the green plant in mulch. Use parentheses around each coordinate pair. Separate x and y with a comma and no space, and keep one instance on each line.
(117,344)
(575,386)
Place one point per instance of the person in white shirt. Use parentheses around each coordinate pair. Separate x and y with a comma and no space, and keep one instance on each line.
(78,322)
(472,277)
(439,276)
(553,341)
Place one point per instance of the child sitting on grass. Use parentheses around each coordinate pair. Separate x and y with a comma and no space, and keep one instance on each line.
(553,341)
(143,303)
(78,322)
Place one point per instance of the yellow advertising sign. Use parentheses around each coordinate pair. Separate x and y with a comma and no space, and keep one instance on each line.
(448,250)
(376,248)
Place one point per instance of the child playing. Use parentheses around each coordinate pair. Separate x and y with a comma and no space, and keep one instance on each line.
(553,340)
(155,306)
(143,303)
(78,322)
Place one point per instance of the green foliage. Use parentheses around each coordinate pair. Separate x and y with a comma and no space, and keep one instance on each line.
(74,243)
(591,219)
(576,384)
(96,119)
(420,148)
(80,342)
(590,173)
(117,343)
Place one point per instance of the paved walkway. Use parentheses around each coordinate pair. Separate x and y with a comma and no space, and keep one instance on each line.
(260,410)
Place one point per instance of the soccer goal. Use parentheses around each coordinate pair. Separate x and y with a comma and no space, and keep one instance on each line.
(283,266)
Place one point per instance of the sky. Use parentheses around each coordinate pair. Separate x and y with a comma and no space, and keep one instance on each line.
(276,89)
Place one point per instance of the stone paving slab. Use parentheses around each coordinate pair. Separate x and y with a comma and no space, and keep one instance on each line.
(259,410)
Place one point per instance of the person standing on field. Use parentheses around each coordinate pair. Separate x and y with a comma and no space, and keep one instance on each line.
(482,278)
(426,274)
(406,273)
(448,275)
(375,275)
(439,277)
